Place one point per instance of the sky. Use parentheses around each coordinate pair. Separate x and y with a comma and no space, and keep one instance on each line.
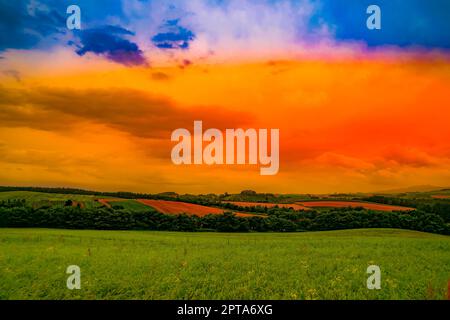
(358,110)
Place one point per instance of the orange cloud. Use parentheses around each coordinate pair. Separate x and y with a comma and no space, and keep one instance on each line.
(350,125)
(135,112)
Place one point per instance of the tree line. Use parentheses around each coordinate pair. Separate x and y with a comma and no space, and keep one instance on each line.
(19,214)
(436,206)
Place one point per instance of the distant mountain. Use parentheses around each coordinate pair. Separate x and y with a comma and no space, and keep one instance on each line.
(422,188)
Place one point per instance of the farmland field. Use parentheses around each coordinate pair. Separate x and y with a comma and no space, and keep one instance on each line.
(171,265)
(440,197)
(53,199)
(294,206)
(307,205)
(39,196)
(353,204)
(176,207)
(131,205)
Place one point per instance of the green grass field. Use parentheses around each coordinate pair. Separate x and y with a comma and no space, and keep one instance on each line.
(53,199)
(169,265)
(131,205)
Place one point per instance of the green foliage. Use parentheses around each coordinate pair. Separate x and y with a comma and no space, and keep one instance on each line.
(38,209)
(279,220)
(437,206)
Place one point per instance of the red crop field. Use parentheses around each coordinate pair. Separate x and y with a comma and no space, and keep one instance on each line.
(437,196)
(294,206)
(176,207)
(354,204)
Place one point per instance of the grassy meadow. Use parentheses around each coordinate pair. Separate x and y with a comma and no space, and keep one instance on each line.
(39,199)
(131,205)
(176,265)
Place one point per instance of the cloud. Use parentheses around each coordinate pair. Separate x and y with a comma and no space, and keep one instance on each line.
(135,112)
(226,29)
(111,42)
(249,27)
(13,74)
(415,23)
(410,157)
(160,76)
(24,24)
(289,28)
(24,156)
(343,161)
(173,36)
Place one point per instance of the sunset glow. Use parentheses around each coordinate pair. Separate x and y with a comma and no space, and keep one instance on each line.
(351,118)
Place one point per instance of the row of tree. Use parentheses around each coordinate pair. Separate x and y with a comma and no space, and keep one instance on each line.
(437,206)
(279,221)
(246,195)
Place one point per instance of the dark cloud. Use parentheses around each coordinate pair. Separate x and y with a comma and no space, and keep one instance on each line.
(13,74)
(160,76)
(26,24)
(111,42)
(173,36)
(185,63)
(410,157)
(131,111)
(23,24)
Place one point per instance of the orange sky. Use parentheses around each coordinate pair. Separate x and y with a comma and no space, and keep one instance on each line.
(345,125)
